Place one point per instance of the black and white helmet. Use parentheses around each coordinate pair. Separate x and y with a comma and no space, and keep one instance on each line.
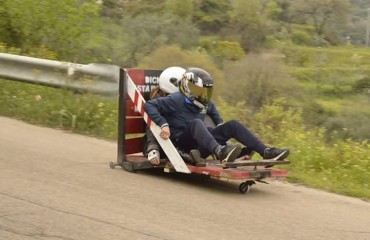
(197,86)
(170,78)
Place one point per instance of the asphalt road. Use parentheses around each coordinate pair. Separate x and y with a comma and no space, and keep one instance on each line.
(56,185)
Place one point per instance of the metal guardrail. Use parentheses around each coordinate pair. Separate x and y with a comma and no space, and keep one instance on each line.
(102,79)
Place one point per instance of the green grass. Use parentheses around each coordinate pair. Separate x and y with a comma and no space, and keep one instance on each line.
(333,57)
(329,77)
(340,165)
(58,108)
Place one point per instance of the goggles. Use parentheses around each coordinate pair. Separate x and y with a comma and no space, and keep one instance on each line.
(202,94)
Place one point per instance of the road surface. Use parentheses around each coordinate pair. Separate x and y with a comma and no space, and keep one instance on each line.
(55,185)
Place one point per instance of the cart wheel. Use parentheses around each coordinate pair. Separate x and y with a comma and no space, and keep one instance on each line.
(112,165)
(245,187)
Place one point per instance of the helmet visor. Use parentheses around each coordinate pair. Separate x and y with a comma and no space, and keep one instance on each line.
(202,94)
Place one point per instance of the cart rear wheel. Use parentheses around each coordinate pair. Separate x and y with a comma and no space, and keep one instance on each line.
(245,187)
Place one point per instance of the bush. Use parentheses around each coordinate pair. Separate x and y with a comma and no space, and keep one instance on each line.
(362,86)
(257,79)
(223,50)
(238,111)
(349,124)
(340,166)
(41,52)
(301,37)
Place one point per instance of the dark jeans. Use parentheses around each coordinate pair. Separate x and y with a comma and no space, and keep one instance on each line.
(198,136)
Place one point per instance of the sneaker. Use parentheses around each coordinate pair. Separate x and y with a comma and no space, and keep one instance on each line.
(198,160)
(228,153)
(271,153)
(193,158)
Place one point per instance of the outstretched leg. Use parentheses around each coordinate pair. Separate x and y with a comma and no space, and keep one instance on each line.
(196,135)
(234,129)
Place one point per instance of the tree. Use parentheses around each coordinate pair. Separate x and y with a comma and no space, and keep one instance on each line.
(135,8)
(112,9)
(64,26)
(211,15)
(273,10)
(357,28)
(247,24)
(139,36)
(281,10)
(321,14)
(182,9)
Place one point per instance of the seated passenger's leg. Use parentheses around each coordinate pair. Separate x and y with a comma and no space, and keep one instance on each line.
(234,129)
(198,133)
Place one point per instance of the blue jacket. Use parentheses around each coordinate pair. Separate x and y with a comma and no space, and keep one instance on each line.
(176,111)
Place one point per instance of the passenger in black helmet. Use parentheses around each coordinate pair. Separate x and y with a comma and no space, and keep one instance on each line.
(180,116)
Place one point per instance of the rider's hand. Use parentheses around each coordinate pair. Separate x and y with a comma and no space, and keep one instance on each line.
(165,132)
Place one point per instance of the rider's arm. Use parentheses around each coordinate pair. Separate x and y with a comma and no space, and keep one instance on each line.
(214,114)
(157,108)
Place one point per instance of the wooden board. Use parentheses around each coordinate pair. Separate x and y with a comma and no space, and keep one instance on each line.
(263,162)
(266,162)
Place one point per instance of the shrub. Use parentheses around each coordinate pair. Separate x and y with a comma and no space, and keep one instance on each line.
(256,79)
(40,52)
(362,86)
(223,50)
(340,166)
(238,111)
(301,37)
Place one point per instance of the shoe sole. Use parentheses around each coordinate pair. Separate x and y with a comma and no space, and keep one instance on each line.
(283,155)
(233,154)
(280,157)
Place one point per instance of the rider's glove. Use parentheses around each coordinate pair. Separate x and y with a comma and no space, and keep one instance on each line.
(154,155)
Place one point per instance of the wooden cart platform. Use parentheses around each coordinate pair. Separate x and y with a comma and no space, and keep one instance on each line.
(135,86)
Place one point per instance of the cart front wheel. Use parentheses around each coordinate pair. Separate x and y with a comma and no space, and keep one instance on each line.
(112,165)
